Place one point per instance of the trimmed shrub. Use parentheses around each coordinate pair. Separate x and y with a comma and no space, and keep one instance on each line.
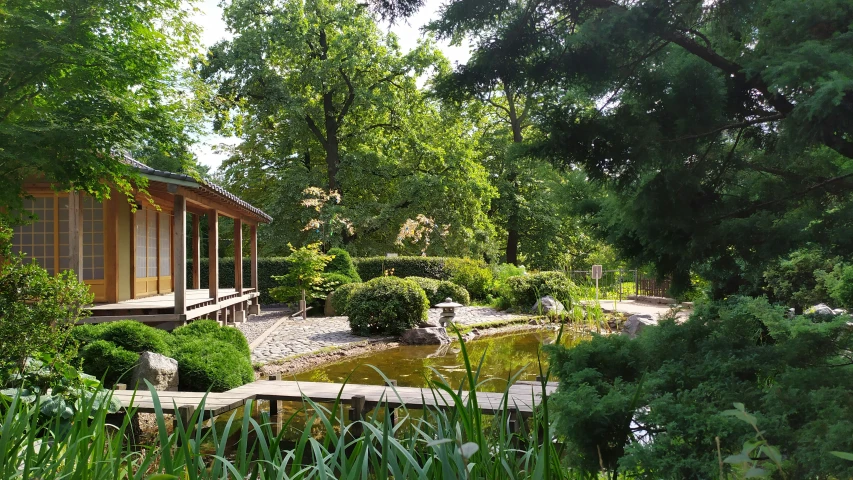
(437,290)
(341,296)
(104,360)
(476,277)
(136,337)
(342,264)
(387,305)
(526,290)
(212,330)
(267,267)
(87,333)
(428,267)
(207,363)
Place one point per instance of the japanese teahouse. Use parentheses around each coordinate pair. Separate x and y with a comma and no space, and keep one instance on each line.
(135,263)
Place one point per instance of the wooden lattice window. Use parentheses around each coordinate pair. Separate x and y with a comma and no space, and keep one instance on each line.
(37,240)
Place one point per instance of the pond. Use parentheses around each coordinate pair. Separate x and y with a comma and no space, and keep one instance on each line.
(413,366)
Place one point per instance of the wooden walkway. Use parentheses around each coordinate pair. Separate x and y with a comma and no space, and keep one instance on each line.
(522,397)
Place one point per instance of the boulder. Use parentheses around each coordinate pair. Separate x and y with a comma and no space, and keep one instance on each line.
(820,309)
(548,305)
(160,370)
(427,324)
(425,336)
(636,324)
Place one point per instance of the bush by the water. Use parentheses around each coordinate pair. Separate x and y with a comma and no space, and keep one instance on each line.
(438,290)
(108,362)
(212,329)
(386,305)
(475,276)
(341,296)
(673,383)
(526,290)
(115,347)
(207,363)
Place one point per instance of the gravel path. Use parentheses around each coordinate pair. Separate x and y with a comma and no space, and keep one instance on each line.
(295,336)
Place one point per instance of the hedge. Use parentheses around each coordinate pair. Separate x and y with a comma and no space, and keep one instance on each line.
(526,290)
(267,267)
(206,363)
(474,275)
(130,335)
(108,362)
(341,296)
(212,329)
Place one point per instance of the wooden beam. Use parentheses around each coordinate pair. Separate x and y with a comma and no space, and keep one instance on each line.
(75,233)
(253,252)
(179,250)
(213,253)
(196,253)
(238,256)
(111,232)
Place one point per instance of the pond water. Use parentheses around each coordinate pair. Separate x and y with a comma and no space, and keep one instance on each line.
(413,366)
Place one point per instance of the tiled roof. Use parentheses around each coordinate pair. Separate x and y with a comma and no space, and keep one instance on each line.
(210,186)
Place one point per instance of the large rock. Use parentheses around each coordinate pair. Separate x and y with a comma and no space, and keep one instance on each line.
(425,336)
(636,324)
(821,309)
(548,305)
(160,370)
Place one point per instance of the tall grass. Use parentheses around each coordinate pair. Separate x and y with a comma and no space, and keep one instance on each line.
(458,442)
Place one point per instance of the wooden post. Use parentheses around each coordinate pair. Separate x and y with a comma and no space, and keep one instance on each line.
(213,253)
(255,308)
(179,245)
(238,256)
(185,413)
(356,415)
(274,402)
(196,253)
(392,412)
(75,233)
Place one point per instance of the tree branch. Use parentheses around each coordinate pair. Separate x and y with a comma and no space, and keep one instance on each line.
(350,97)
(315,130)
(747,123)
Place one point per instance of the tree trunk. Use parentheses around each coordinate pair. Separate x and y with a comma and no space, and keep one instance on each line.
(333,155)
(512,238)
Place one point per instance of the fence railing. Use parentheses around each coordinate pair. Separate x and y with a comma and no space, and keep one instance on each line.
(618,284)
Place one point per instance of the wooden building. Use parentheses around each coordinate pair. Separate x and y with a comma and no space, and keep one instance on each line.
(135,262)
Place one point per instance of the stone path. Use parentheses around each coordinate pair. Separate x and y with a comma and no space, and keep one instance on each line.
(295,336)
(632,307)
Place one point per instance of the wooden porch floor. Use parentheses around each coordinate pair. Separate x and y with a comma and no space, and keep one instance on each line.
(195,298)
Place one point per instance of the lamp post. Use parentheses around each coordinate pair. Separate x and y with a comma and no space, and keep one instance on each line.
(448,307)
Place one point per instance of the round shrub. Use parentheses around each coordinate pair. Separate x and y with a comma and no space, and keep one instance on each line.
(106,361)
(342,264)
(212,330)
(341,296)
(525,290)
(438,290)
(87,333)
(476,277)
(207,363)
(136,337)
(387,305)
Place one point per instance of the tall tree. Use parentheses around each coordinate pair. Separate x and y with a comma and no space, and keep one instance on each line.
(321,98)
(723,127)
(80,81)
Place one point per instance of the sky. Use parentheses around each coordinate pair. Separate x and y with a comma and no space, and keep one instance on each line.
(209,18)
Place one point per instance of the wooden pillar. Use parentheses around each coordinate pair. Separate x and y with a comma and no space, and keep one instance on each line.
(356,415)
(238,256)
(253,252)
(75,233)
(196,253)
(179,245)
(213,253)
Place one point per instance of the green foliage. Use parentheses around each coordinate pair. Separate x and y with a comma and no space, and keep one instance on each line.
(135,337)
(210,329)
(36,308)
(840,285)
(268,267)
(86,79)
(526,290)
(428,267)
(476,277)
(341,297)
(105,360)
(342,263)
(798,280)
(437,290)
(304,274)
(386,306)
(207,363)
(672,384)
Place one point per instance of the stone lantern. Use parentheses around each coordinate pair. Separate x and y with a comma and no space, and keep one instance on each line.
(448,307)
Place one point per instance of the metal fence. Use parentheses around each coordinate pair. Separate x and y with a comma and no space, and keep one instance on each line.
(613,284)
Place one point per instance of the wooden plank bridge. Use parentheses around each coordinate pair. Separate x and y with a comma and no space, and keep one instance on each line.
(522,397)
